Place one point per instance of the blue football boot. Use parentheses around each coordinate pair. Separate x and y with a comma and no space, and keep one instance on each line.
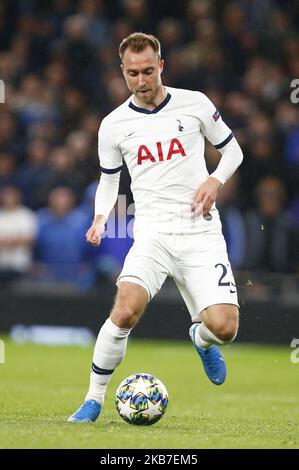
(87,413)
(212,359)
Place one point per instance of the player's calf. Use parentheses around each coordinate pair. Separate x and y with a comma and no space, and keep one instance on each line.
(225,332)
(220,323)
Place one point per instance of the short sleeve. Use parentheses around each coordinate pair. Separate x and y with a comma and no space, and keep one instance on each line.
(109,154)
(213,127)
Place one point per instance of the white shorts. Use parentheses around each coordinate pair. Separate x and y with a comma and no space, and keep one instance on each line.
(198,263)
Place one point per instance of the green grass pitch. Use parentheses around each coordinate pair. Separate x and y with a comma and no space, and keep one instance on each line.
(257,407)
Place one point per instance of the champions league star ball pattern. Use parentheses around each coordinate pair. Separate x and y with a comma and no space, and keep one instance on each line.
(141,399)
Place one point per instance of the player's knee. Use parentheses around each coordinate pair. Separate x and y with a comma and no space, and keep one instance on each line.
(125,317)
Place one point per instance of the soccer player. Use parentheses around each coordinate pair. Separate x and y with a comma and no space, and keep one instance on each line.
(159,132)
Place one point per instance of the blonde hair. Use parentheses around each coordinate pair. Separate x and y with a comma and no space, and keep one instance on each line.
(137,42)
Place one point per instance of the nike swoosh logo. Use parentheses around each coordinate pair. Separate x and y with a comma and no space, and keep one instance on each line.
(232,291)
(129,134)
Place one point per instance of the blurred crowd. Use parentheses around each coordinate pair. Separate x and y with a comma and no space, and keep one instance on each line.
(60,66)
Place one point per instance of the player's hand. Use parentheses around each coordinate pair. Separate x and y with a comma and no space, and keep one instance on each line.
(93,234)
(205,196)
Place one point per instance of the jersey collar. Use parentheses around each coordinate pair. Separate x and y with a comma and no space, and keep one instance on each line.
(154,111)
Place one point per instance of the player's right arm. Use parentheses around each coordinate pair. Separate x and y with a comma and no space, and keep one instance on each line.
(93,234)
(107,190)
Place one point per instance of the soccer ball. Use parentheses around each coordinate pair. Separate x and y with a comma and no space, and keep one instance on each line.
(141,399)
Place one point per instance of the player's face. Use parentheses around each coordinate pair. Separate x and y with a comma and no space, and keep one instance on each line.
(142,72)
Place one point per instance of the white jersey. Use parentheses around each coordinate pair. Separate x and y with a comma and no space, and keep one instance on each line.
(164,152)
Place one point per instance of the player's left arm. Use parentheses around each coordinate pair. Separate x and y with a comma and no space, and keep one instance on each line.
(221,136)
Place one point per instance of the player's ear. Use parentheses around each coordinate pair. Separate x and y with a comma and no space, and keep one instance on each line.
(161,65)
(122,68)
